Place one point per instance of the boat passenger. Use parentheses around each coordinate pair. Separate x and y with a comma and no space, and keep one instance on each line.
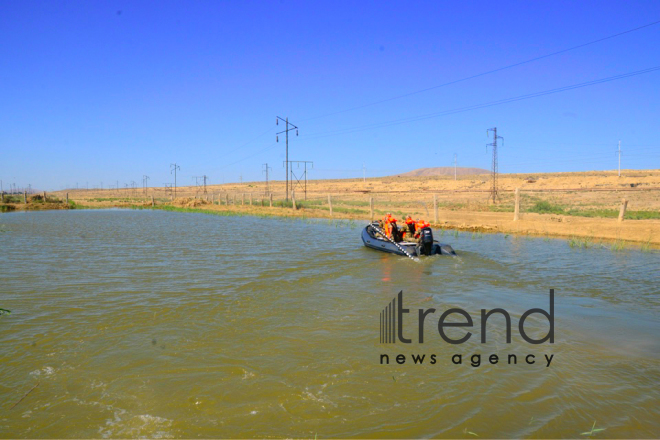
(419,225)
(408,229)
(391,228)
(425,237)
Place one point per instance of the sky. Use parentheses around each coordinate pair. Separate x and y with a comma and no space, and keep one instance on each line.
(103,93)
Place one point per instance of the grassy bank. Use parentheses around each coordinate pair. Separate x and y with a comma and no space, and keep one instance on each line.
(35,202)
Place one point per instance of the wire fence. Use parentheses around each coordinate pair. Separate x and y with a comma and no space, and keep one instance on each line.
(640,203)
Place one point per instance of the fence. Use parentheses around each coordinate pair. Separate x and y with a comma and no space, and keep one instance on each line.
(640,203)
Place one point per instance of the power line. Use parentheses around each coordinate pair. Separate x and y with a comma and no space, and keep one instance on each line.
(480,106)
(173,169)
(286,130)
(494,171)
(250,156)
(499,69)
(265,170)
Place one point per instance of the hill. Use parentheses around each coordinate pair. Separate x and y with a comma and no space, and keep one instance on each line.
(443,171)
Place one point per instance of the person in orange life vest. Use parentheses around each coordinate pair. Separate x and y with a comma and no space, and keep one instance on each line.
(391,228)
(421,224)
(408,229)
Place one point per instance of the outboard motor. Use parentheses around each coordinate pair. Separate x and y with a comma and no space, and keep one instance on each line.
(426,241)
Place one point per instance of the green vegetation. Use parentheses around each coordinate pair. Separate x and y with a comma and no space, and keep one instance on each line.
(618,245)
(501,208)
(112,199)
(545,207)
(614,213)
(5,312)
(646,246)
(12,198)
(580,242)
(593,430)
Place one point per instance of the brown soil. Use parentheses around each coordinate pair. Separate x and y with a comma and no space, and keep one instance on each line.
(463,204)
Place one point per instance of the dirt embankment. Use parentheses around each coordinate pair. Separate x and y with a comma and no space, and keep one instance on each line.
(35,202)
(571,205)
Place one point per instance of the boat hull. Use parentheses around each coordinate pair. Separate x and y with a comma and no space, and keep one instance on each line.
(371,241)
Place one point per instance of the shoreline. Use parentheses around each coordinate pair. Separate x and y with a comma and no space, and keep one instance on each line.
(578,231)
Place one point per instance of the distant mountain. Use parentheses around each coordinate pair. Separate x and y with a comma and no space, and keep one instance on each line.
(443,171)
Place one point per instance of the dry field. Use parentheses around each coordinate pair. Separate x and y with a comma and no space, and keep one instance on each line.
(580,205)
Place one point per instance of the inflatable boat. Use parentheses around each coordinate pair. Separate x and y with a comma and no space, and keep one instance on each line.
(373,238)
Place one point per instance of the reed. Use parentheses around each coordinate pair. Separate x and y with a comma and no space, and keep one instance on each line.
(618,245)
(646,246)
(593,430)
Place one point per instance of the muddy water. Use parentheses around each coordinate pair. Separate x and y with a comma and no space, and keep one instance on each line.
(156,324)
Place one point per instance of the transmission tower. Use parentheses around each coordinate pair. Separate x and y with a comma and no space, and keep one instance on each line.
(202,185)
(493,190)
(265,170)
(303,176)
(145,183)
(286,121)
(173,169)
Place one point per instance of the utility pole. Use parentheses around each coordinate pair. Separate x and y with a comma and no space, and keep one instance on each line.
(494,170)
(619,158)
(145,183)
(265,170)
(454,166)
(304,174)
(173,169)
(277,139)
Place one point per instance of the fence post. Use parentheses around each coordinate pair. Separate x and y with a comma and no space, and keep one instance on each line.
(371,207)
(2,197)
(67,198)
(435,209)
(271,200)
(622,211)
(44,196)
(242,198)
(153,202)
(330,204)
(293,199)
(227,199)
(516,209)
(25,197)
(212,198)
(250,199)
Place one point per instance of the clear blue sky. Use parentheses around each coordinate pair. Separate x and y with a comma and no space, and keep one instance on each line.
(100,91)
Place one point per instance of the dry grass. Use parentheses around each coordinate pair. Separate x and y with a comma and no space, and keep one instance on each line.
(556,204)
